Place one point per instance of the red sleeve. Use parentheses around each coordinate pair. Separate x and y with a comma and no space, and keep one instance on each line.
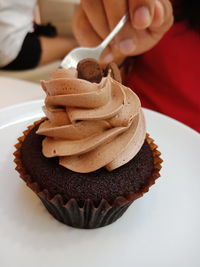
(167,78)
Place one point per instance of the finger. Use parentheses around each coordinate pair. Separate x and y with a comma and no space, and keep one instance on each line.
(86,36)
(83,31)
(109,56)
(95,13)
(96,17)
(163,17)
(115,10)
(141,13)
(159,15)
(125,41)
(148,38)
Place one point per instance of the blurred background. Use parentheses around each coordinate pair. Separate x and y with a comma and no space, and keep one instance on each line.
(59,13)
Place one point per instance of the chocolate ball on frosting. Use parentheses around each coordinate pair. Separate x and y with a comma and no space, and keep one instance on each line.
(90,70)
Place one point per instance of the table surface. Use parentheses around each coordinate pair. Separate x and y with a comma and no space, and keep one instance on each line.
(13,91)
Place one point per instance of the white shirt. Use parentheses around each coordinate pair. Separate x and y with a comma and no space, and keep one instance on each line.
(16,18)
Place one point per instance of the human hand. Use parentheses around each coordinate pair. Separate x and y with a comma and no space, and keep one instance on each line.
(149,20)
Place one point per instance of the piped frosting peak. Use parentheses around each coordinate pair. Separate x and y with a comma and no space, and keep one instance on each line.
(90,125)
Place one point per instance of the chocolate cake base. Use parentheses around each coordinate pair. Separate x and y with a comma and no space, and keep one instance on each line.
(97,185)
(88,200)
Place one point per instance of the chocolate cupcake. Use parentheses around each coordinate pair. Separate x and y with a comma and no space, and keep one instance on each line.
(90,157)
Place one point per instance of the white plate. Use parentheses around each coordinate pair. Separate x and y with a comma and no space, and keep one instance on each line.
(160,229)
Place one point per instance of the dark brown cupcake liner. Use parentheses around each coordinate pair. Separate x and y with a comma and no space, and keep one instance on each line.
(87,216)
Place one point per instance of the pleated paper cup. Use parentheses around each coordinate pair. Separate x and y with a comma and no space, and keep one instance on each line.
(87,215)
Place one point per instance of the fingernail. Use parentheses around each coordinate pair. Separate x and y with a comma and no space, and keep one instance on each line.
(108,58)
(142,17)
(127,46)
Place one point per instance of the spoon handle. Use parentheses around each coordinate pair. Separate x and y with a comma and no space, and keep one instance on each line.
(114,32)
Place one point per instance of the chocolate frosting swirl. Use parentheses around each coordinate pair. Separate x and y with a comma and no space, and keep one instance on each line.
(90,125)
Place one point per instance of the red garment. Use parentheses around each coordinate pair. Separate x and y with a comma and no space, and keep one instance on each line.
(167,78)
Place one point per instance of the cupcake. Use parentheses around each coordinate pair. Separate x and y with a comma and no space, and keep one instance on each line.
(90,157)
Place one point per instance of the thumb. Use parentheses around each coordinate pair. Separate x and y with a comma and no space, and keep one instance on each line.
(141,13)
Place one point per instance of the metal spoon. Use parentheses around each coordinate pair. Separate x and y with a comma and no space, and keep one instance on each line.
(77,54)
